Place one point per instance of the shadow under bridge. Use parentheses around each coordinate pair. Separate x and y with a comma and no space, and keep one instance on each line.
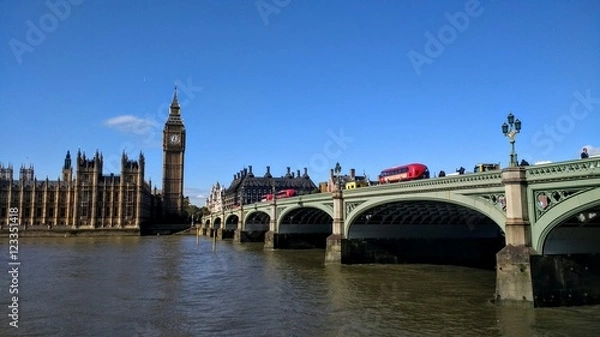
(305,227)
(431,232)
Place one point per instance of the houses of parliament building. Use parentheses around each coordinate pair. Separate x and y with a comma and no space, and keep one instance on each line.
(84,197)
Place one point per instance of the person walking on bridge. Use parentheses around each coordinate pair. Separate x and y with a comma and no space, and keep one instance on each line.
(584,153)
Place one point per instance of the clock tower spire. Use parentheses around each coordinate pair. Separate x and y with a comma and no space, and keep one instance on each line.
(173,160)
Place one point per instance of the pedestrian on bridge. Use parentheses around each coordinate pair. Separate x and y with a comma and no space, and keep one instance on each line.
(584,153)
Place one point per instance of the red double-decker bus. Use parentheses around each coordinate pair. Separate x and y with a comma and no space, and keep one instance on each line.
(287,193)
(403,173)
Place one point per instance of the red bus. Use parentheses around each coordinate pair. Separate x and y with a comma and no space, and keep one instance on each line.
(287,193)
(403,173)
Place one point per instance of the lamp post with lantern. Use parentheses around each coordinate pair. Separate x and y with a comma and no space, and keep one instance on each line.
(271,234)
(241,222)
(333,249)
(337,175)
(510,130)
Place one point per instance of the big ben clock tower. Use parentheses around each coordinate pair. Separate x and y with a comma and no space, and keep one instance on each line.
(173,155)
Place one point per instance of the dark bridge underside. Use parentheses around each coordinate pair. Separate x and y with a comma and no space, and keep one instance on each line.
(257,222)
(578,234)
(423,232)
(304,228)
(231,222)
(421,213)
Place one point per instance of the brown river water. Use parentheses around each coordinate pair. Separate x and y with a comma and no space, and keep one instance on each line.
(180,286)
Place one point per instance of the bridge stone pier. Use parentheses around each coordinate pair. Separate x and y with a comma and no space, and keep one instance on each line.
(513,268)
(333,249)
(537,226)
(272,237)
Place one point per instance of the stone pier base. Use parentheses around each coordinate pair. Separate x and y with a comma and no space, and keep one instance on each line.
(333,249)
(237,236)
(513,275)
(271,240)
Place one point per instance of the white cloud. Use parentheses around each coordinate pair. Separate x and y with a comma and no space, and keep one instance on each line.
(197,196)
(131,124)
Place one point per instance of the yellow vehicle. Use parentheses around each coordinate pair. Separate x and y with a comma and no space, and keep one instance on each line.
(356,184)
(486,167)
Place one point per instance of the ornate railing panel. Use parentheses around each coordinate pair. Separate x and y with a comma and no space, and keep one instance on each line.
(569,170)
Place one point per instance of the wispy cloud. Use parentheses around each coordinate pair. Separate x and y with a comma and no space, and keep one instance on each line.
(131,124)
(197,196)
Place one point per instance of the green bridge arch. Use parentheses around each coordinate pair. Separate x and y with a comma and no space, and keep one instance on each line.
(294,207)
(560,213)
(254,212)
(472,202)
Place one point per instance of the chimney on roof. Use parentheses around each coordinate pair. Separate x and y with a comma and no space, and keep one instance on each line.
(305,173)
(352,174)
(297,173)
(268,174)
(245,172)
(288,174)
(250,174)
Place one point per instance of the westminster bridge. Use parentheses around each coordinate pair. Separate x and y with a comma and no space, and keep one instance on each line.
(514,220)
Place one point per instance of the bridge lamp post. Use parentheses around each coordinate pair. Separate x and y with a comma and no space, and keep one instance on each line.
(273,215)
(337,171)
(510,130)
(223,205)
(241,207)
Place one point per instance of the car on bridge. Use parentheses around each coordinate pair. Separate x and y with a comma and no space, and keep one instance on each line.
(482,167)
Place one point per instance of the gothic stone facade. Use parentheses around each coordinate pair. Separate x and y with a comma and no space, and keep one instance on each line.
(87,200)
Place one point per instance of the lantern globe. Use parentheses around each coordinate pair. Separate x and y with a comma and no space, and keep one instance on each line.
(511,118)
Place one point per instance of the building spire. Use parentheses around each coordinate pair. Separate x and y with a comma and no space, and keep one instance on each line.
(67,161)
(175,102)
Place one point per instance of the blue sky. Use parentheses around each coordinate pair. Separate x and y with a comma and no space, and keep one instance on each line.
(371,84)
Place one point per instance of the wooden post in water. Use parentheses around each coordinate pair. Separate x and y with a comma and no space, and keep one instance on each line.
(214,245)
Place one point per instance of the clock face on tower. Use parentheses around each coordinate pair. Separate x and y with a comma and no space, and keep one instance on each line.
(174,139)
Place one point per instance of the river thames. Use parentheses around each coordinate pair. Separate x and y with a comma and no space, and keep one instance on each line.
(178,286)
